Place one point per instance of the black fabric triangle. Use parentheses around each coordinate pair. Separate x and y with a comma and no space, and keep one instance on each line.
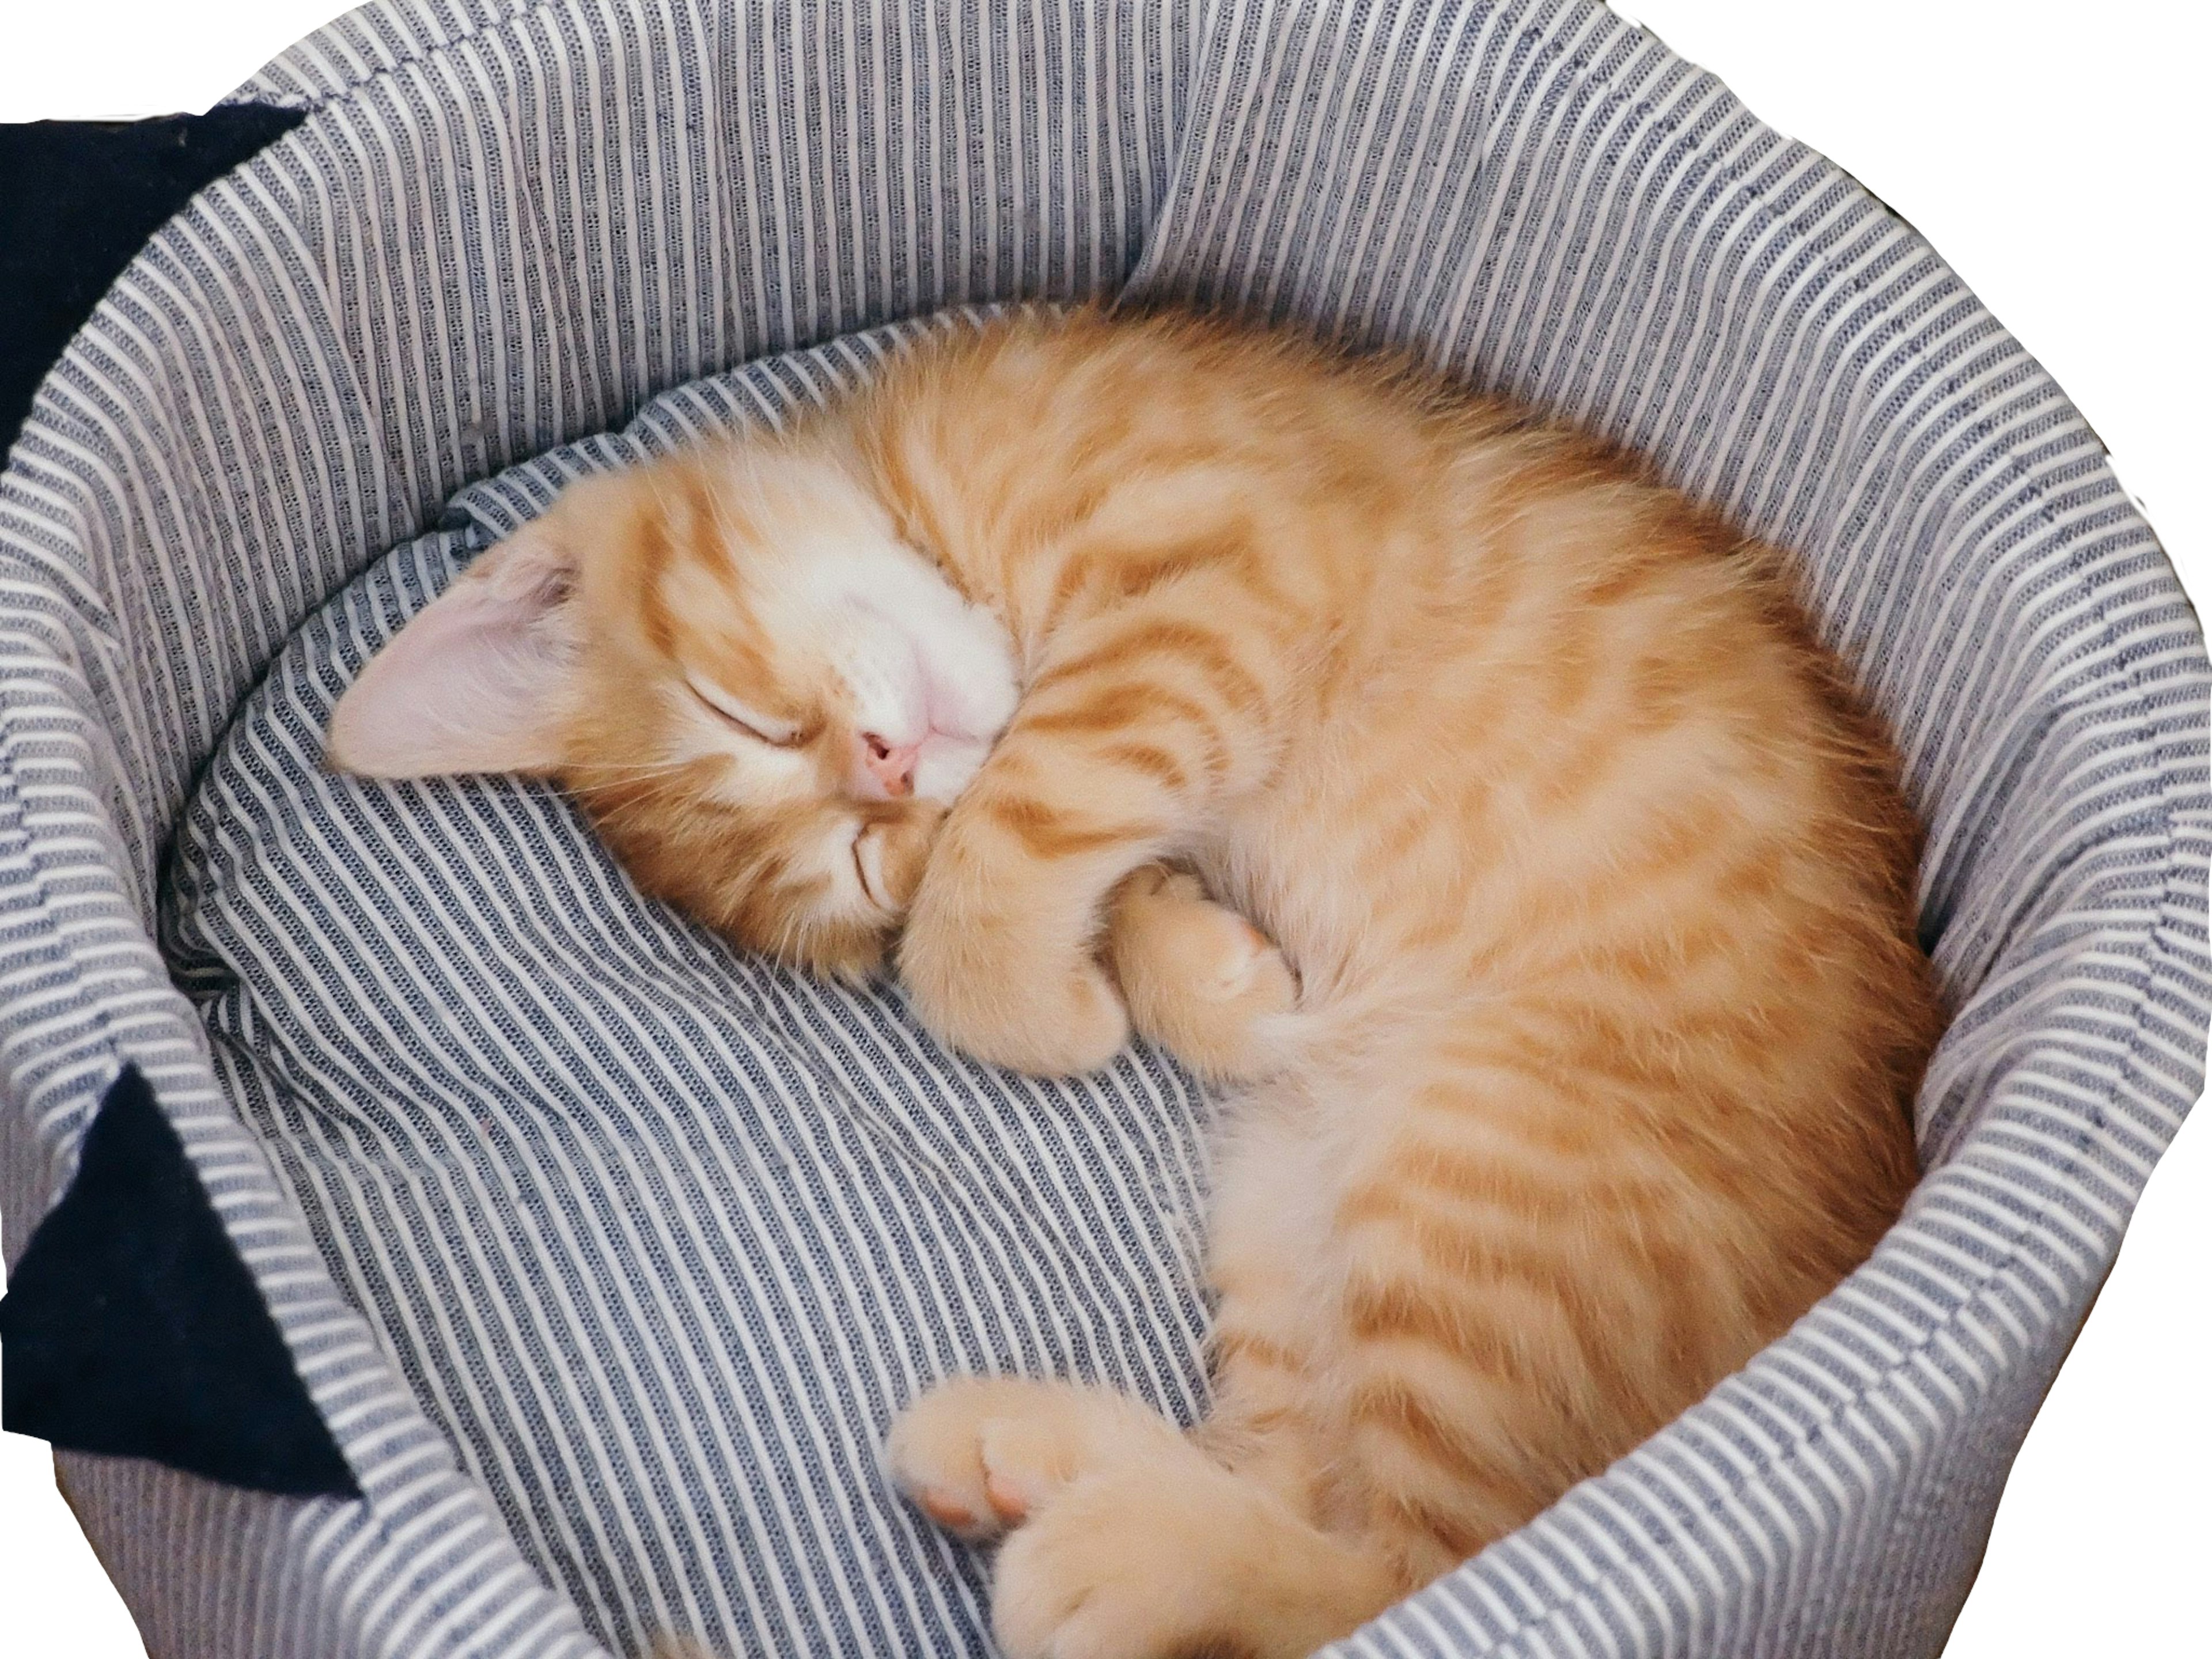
(77,201)
(131,1325)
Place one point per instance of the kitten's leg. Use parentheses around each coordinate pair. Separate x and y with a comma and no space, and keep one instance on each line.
(979,1453)
(1269,1262)
(1127,1541)
(1138,724)
(1197,978)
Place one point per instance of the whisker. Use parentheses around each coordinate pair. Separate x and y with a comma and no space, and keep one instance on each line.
(596,771)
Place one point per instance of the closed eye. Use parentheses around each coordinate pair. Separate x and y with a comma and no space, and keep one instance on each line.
(780,734)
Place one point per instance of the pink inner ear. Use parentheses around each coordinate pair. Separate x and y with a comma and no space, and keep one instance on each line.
(477,683)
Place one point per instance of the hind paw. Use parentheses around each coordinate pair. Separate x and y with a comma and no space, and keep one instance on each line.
(1173,1562)
(979,1454)
(1197,978)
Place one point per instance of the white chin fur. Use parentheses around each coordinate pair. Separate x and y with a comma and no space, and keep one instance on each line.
(948,765)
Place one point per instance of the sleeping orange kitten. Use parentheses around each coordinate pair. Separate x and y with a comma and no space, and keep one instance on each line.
(1579,1064)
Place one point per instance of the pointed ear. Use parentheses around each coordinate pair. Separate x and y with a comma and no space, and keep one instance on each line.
(478,681)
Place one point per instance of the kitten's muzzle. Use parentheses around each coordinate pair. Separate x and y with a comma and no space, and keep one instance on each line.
(887,768)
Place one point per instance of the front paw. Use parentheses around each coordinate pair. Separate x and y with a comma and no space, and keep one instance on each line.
(1055,1024)
(992,991)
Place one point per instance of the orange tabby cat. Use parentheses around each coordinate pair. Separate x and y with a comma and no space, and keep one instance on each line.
(1593,1073)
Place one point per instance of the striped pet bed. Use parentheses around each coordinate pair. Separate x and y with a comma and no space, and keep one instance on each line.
(595,1256)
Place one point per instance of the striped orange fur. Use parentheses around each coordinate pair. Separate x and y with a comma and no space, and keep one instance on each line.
(1483,815)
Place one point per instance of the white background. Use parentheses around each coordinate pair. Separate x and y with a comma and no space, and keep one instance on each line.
(2057,157)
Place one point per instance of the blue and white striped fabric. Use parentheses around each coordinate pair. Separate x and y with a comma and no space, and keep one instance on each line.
(605,1252)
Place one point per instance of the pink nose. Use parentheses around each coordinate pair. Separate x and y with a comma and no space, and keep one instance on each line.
(892,769)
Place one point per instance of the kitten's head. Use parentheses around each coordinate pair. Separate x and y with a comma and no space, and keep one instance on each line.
(762,698)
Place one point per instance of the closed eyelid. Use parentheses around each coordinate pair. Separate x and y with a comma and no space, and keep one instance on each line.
(766,728)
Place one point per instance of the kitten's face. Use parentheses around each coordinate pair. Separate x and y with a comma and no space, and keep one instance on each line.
(763,699)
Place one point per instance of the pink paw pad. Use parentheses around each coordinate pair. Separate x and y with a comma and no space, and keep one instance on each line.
(946,1511)
(1011,1504)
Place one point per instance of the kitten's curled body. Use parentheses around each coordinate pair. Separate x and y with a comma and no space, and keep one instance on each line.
(1596,881)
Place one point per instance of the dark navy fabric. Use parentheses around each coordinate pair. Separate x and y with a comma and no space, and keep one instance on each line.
(78,200)
(132,1327)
